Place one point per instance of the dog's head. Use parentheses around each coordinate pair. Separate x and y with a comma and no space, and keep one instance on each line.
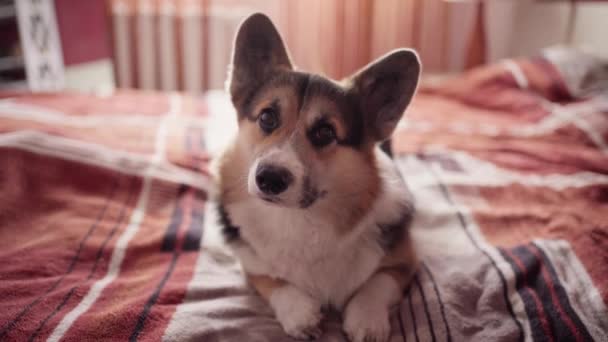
(304,138)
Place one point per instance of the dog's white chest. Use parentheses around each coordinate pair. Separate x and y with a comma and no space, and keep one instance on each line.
(304,252)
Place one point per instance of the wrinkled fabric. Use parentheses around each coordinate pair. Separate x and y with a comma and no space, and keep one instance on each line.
(107,231)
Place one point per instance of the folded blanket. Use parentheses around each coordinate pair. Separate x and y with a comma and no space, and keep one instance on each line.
(107,233)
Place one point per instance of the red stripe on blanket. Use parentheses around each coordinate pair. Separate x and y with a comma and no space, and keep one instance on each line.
(534,152)
(552,284)
(442,111)
(153,322)
(545,79)
(97,271)
(134,137)
(51,252)
(535,277)
(121,102)
(146,269)
(530,298)
(141,268)
(516,213)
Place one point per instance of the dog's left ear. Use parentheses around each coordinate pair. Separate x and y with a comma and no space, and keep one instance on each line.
(384,88)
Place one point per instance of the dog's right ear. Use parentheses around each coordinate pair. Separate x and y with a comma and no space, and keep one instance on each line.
(385,88)
(258,51)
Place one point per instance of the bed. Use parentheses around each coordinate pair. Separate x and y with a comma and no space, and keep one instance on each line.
(106,222)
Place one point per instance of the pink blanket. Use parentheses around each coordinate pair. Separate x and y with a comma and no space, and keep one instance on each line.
(103,210)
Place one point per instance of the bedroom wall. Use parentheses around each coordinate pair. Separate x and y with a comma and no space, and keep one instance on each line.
(540,24)
(515,27)
(590,27)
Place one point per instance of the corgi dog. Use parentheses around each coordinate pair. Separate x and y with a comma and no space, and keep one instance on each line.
(314,210)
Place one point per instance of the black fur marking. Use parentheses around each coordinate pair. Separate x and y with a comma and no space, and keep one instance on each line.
(302,90)
(307,87)
(392,233)
(276,80)
(386,146)
(310,194)
(275,109)
(231,232)
(349,110)
(314,129)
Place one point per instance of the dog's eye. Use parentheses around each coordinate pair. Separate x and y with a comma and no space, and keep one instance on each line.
(268,120)
(322,135)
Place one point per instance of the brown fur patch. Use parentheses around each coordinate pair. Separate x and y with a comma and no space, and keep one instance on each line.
(401,274)
(401,263)
(355,186)
(328,111)
(233,167)
(403,255)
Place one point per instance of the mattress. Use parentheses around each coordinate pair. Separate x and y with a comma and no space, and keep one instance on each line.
(108,229)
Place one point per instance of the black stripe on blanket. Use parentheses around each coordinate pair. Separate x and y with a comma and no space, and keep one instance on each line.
(426,308)
(176,220)
(401,328)
(122,215)
(440,301)
(537,317)
(465,227)
(579,330)
(196,223)
(192,240)
(412,314)
(143,316)
(192,236)
(549,311)
(170,238)
(100,217)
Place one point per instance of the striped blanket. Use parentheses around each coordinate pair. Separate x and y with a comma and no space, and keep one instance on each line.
(107,233)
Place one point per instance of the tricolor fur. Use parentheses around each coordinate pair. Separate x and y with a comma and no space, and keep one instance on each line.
(317,214)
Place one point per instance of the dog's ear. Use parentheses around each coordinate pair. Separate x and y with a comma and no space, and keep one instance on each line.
(257,52)
(384,88)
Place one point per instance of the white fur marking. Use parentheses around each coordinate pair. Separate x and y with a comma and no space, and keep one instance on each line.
(366,317)
(298,313)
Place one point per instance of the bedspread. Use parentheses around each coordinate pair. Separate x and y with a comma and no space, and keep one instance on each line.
(107,227)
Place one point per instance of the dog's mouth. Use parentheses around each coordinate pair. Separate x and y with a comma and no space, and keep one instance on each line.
(270,199)
(305,202)
(308,196)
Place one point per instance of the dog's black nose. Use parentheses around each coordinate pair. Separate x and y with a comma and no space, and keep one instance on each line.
(272,180)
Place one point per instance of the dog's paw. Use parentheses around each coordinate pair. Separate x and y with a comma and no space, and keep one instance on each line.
(366,322)
(298,313)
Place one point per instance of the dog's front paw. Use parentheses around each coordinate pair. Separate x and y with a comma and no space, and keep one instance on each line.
(298,313)
(365,321)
